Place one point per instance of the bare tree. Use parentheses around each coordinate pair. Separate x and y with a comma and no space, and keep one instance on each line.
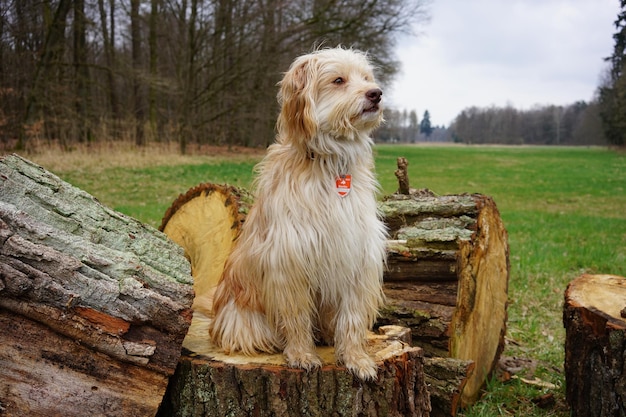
(136,46)
(81,72)
(108,37)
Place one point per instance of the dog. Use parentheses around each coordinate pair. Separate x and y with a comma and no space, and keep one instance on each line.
(307,265)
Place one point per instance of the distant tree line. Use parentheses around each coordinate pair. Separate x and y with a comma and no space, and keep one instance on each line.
(399,126)
(403,126)
(191,71)
(575,124)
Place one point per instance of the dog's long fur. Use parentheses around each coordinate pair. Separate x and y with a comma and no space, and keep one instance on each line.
(308,263)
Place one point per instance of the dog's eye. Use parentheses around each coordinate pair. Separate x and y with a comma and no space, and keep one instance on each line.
(339,81)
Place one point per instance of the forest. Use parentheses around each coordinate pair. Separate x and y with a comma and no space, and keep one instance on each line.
(189,71)
(205,72)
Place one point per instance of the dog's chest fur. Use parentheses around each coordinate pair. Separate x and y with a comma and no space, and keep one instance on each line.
(328,239)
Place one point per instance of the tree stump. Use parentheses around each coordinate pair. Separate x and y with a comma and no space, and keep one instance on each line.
(212,384)
(94,305)
(595,345)
(204,222)
(447,280)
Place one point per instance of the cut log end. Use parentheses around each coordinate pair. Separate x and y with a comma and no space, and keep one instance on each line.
(595,345)
(478,325)
(205,222)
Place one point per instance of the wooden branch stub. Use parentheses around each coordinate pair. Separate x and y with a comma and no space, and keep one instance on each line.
(402,174)
(94,305)
(595,346)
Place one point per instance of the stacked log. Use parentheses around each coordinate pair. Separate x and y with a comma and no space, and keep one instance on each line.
(94,305)
(447,280)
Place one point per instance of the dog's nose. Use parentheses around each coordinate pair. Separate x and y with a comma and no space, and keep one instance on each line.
(374,94)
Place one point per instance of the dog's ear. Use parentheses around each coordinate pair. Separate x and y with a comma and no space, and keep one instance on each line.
(297,122)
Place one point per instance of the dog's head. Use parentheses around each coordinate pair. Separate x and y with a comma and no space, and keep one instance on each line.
(330,93)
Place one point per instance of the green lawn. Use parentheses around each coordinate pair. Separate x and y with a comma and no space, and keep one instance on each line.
(564,209)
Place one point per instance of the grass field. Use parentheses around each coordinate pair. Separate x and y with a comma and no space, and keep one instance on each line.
(564,210)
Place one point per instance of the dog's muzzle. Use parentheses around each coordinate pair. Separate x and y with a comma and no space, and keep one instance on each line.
(374,96)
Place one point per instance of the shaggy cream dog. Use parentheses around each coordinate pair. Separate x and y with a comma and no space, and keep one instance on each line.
(308,262)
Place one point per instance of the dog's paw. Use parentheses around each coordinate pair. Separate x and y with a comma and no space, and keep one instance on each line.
(304,360)
(363,367)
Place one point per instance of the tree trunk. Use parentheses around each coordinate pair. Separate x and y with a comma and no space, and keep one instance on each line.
(53,48)
(137,83)
(94,305)
(81,73)
(595,345)
(447,276)
(447,280)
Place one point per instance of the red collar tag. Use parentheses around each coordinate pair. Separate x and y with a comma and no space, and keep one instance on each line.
(343,184)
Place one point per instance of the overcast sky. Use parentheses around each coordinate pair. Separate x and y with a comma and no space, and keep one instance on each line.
(499,52)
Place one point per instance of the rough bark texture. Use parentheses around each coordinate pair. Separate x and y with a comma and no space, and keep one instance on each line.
(595,346)
(94,306)
(210,383)
(446,378)
(447,280)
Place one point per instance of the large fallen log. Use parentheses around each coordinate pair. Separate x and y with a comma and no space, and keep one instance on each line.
(94,305)
(595,345)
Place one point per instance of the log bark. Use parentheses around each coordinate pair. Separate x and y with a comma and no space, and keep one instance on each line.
(94,305)
(595,345)
(446,379)
(447,280)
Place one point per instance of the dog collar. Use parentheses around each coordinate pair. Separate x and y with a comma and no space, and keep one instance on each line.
(343,184)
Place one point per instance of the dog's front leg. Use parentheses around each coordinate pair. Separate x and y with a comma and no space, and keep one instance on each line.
(350,338)
(300,347)
(291,311)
